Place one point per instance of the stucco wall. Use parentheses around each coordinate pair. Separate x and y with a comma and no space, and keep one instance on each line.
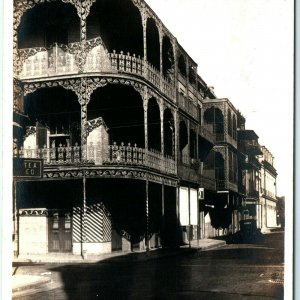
(33,235)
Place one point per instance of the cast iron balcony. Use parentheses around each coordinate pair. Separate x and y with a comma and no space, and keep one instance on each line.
(60,60)
(206,130)
(253,194)
(97,155)
(188,106)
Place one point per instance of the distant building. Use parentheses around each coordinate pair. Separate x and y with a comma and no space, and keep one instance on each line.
(268,198)
(281,211)
(222,205)
(249,170)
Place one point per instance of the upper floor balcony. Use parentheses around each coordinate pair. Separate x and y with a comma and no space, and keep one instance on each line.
(252,194)
(268,194)
(251,162)
(101,156)
(207,131)
(188,106)
(248,142)
(226,186)
(220,115)
(207,183)
(61,60)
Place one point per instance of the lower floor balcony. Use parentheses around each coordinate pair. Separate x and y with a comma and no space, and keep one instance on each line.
(225,185)
(97,155)
(253,194)
(208,183)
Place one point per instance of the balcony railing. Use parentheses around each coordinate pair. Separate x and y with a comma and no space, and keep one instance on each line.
(253,194)
(269,194)
(102,155)
(207,131)
(220,137)
(59,60)
(208,183)
(188,106)
(194,163)
(221,185)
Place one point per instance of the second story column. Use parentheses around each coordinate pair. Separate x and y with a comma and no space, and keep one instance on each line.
(189,141)
(83,119)
(162,109)
(145,105)
(160,54)
(144,22)
(176,146)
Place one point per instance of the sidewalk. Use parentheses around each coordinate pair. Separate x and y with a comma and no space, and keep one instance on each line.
(26,282)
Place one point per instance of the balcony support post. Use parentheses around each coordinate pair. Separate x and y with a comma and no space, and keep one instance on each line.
(145,104)
(160,32)
(161,108)
(190,226)
(144,23)
(147,235)
(178,229)
(163,228)
(83,220)
(176,138)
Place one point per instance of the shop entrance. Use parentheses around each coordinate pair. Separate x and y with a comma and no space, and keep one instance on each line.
(59,231)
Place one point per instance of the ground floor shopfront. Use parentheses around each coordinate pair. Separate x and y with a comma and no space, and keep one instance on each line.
(100,215)
(221,213)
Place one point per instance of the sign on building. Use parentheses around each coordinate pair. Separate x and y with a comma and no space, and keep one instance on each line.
(27,168)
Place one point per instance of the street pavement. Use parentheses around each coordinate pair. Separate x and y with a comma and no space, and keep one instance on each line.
(233,271)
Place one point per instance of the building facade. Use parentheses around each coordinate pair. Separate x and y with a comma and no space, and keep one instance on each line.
(222,203)
(268,199)
(136,149)
(250,171)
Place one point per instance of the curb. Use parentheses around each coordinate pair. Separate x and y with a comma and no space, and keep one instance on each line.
(141,256)
(40,281)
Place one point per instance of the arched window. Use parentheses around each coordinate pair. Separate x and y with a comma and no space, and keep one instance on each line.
(183,141)
(168,58)
(121,108)
(192,75)
(234,127)
(153,48)
(182,65)
(229,122)
(119,24)
(49,23)
(153,117)
(214,116)
(169,133)
(219,167)
(193,144)
(56,114)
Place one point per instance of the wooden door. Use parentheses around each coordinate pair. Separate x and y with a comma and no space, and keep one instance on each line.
(60,232)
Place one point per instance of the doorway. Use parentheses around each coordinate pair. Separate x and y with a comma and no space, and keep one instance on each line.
(60,232)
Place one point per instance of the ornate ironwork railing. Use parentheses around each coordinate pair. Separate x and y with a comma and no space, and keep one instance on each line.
(63,60)
(253,194)
(221,185)
(208,183)
(266,193)
(102,155)
(206,131)
(188,106)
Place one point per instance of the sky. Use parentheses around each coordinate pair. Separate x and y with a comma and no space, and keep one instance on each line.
(244,49)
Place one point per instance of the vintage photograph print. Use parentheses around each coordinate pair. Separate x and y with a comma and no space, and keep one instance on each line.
(152,149)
